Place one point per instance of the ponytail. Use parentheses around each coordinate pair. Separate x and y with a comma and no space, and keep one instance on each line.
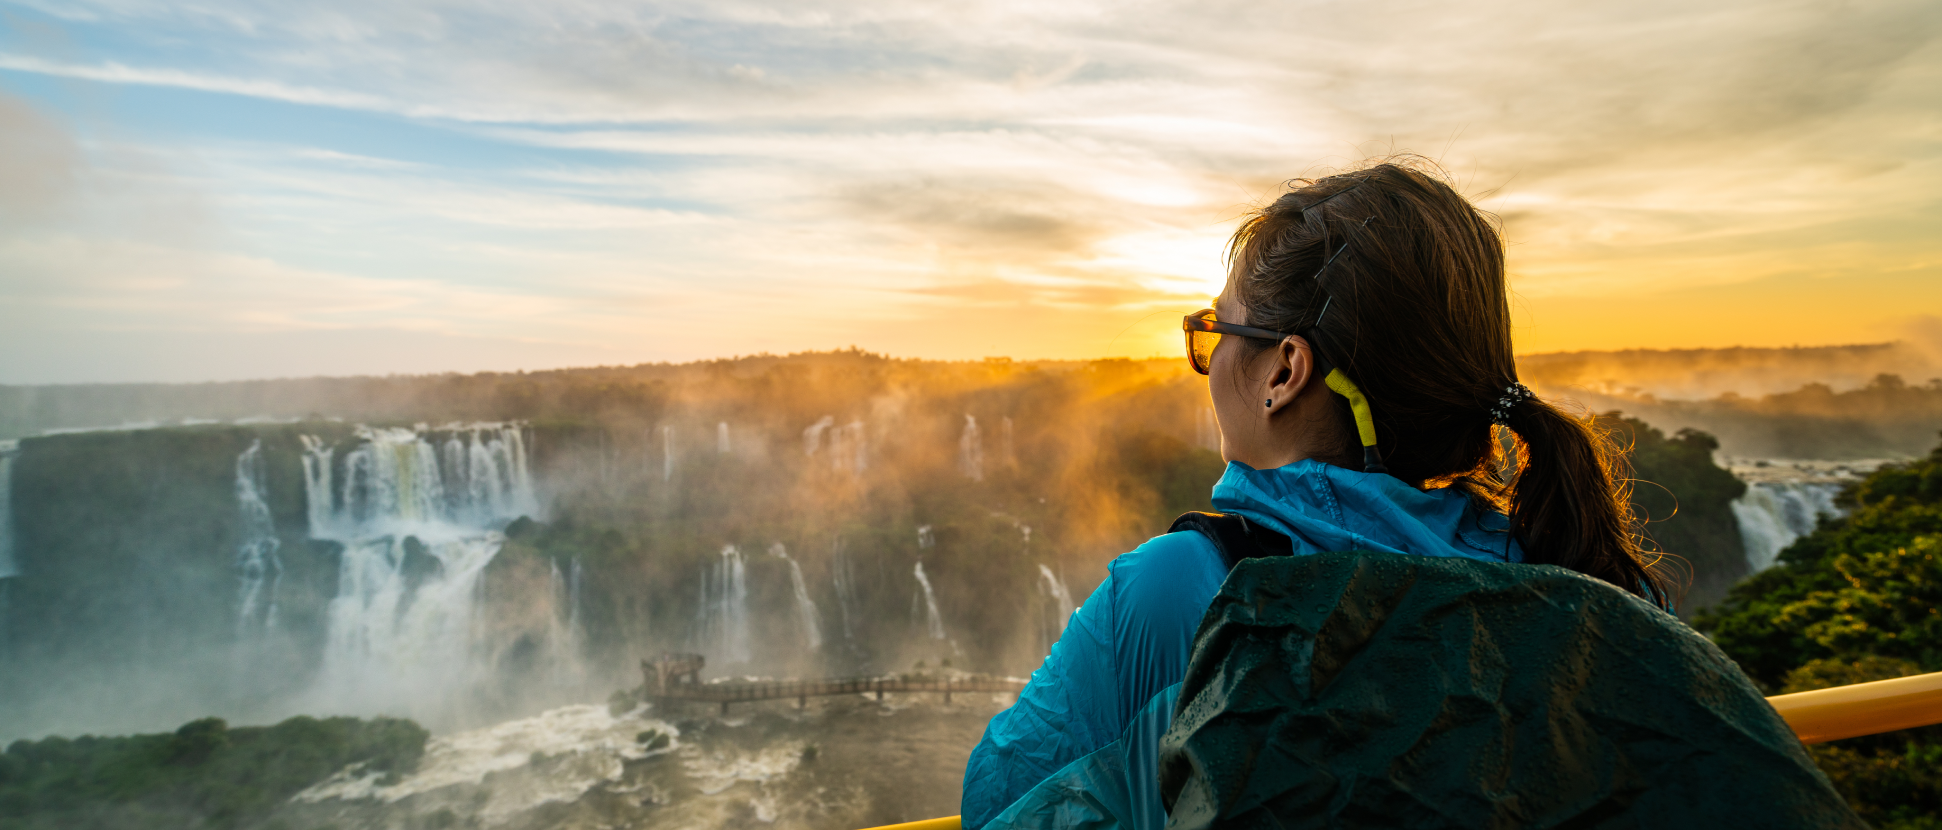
(1570,502)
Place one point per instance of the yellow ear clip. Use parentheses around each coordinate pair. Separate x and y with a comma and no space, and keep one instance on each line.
(1365,421)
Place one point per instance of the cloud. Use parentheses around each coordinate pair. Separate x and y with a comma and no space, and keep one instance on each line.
(37,161)
(809,166)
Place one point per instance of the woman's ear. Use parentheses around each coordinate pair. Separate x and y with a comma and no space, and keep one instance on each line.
(1294,367)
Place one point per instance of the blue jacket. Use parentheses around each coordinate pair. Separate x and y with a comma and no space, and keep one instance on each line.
(1128,646)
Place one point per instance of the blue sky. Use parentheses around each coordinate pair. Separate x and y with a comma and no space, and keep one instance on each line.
(215,190)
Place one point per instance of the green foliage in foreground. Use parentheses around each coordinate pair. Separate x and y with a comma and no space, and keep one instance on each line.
(205,775)
(1857,600)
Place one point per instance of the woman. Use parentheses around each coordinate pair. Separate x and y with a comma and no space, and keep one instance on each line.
(1359,359)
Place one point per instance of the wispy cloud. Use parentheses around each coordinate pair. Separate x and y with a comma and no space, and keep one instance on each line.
(924,167)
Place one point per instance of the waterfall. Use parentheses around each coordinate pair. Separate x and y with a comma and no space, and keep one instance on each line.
(1051,587)
(806,617)
(8,565)
(563,634)
(971,451)
(317,490)
(418,523)
(1010,457)
(848,449)
(844,577)
(257,566)
(934,622)
(1773,514)
(721,438)
(812,438)
(925,539)
(724,628)
(573,598)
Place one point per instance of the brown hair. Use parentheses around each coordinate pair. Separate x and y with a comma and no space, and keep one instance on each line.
(1413,307)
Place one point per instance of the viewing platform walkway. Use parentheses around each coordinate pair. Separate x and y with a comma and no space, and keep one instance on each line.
(677,677)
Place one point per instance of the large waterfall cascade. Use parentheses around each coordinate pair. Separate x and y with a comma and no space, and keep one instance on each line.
(722,621)
(806,617)
(419,521)
(1785,500)
(721,438)
(1772,515)
(258,568)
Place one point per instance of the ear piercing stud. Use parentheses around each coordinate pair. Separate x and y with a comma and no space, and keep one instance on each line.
(1270,403)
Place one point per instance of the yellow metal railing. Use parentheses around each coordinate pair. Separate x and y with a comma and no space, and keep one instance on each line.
(1817,716)
(951,823)
(1863,708)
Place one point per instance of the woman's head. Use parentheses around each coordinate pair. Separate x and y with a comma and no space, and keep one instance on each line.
(1389,275)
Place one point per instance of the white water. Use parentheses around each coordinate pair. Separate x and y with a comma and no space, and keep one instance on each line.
(258,568)
(563,635)
(721,438)
(812,437)
(1010,457)
(1052,587)
(1773,514)
(596,743)
(8,565)
(402,628)
(844,577)
(971,450)
(723,625)
(806,617)
(849,449)
(933,621)
(846,446)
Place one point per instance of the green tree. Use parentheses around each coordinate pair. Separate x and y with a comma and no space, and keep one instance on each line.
(1854,601)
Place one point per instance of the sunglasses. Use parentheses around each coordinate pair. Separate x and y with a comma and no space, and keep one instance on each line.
(1204,333)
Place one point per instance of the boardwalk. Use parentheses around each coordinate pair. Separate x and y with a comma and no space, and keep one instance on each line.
(675,677)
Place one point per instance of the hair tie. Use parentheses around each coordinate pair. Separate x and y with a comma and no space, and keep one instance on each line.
(1514,394)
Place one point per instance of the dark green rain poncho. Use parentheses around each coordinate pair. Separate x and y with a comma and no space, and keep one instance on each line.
(1362,689)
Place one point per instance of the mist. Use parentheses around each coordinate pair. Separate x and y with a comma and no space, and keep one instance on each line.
(535,536)
(1868,401)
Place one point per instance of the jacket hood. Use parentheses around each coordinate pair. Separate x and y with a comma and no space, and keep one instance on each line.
(1322,507)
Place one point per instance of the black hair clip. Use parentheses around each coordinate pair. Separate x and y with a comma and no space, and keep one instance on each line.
(1327,296)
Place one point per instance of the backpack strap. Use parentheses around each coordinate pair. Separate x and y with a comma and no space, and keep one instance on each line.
(1234,536)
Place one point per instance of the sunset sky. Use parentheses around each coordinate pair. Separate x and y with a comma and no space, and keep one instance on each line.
(227,189)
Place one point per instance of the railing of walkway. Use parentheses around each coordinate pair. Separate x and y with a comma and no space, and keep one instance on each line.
(802,690)
(1817,716)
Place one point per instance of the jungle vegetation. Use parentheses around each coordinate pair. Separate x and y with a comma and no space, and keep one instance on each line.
(1854,601)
